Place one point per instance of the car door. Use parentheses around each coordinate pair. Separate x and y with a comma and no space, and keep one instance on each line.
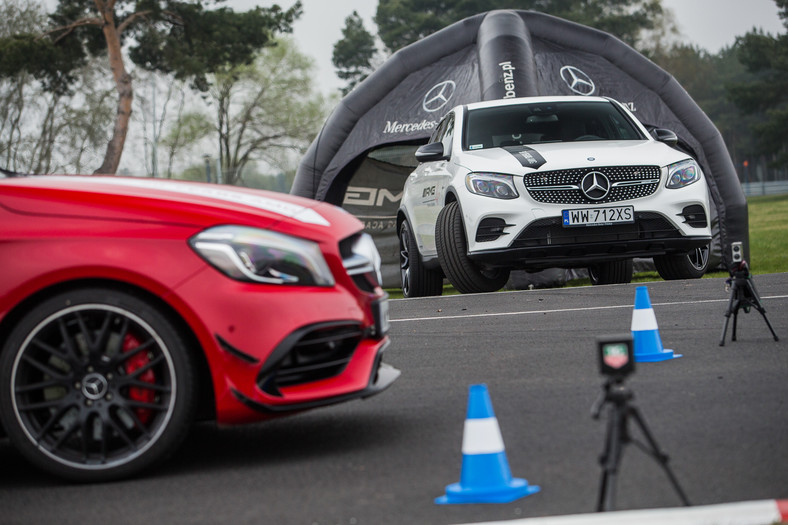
(427,188)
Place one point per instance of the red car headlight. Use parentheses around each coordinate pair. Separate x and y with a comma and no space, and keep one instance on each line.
(262,256)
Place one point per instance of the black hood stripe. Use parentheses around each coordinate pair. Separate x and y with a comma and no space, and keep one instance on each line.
(527,157)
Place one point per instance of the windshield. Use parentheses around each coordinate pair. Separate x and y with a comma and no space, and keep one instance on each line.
(539,123)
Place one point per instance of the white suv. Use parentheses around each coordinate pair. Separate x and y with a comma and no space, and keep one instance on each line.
(542,182)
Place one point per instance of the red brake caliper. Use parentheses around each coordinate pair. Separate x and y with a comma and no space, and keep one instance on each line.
(137,361)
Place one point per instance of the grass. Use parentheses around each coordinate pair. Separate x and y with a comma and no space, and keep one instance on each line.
(768,243)
(769,233)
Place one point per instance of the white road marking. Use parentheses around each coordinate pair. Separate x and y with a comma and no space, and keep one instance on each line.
(565,310)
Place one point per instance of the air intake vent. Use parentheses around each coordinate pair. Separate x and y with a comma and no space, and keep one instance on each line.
(490,229)
(316,353)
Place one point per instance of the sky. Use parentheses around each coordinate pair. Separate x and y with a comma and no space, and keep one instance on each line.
(709,24)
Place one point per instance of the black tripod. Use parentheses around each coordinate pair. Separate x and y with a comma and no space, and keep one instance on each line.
(743,295)
(618,436)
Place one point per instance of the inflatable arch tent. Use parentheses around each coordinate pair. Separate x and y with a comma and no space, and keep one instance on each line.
(364,153)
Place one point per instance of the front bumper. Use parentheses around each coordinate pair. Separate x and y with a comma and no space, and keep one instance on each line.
(384,375)
(547,244)
(273,350)
(523,233)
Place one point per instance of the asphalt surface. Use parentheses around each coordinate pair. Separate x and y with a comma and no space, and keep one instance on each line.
(720,413)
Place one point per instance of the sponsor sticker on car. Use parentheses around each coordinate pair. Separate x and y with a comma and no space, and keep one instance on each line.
(598,216)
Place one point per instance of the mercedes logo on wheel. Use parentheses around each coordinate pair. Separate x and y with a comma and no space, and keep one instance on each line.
(577,80)
(94,386)
(438,96)
(595,185)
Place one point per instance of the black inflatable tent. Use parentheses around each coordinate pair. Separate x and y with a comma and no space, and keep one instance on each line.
(364,152)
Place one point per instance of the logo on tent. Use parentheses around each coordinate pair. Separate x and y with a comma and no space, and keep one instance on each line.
(438,96)
(577,80)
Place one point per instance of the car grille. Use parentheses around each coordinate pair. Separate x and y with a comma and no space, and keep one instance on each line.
(319,352)
(550,232)
(563,186)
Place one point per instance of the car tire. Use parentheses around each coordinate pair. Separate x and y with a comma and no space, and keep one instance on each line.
(416,279)
(452,248)
(691,265)
(614,272)
(96,384)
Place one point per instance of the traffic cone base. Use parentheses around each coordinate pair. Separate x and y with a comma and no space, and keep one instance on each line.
(650,346)
(485,476)
(517,488)
(645,333)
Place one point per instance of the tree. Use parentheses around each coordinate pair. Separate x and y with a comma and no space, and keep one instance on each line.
(265,111)
(187,129)
(765,92)
(401,22)
(353,54)
(43,126)
(170,36)
(705,77)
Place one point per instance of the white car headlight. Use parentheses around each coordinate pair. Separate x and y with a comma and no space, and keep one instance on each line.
(262,256)
(683,174)
(491,185)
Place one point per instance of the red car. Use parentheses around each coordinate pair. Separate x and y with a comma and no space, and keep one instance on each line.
(130,307)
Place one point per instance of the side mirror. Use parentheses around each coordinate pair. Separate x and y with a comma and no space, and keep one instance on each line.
(666,136)
(429,152)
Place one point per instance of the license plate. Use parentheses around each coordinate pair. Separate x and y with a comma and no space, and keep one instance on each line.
(380,312)
(598,216)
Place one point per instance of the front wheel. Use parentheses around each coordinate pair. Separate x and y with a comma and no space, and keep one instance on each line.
(95,384)
(452,249)
(690,265)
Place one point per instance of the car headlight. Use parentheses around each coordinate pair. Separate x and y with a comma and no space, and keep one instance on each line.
(683,174)
(364,259)
(263,256)
(491,185)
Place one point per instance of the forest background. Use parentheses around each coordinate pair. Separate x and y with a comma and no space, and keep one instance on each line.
(197,90)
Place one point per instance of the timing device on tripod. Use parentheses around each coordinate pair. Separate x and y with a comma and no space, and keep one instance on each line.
(744,296)
(616,362)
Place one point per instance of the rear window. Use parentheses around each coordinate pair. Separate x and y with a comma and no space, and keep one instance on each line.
(541,123)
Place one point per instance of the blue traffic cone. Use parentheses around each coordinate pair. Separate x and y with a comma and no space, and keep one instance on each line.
(485,476)
(648,345)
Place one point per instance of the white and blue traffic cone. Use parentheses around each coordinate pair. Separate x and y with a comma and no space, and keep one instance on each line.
(645,333)
(485,476)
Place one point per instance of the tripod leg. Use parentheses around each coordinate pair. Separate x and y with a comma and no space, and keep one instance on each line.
(725,328)
(763,313)
(735,319)
(661,458)
(756,303)
(610,460)
(728,312)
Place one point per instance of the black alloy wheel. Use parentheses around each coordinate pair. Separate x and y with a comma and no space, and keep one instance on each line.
(96,385)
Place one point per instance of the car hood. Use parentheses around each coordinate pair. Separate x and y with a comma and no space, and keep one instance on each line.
(166,201)
(518,160)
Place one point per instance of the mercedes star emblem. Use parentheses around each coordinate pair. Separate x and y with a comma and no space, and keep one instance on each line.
(595,185)
(438,96)
(577,80)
